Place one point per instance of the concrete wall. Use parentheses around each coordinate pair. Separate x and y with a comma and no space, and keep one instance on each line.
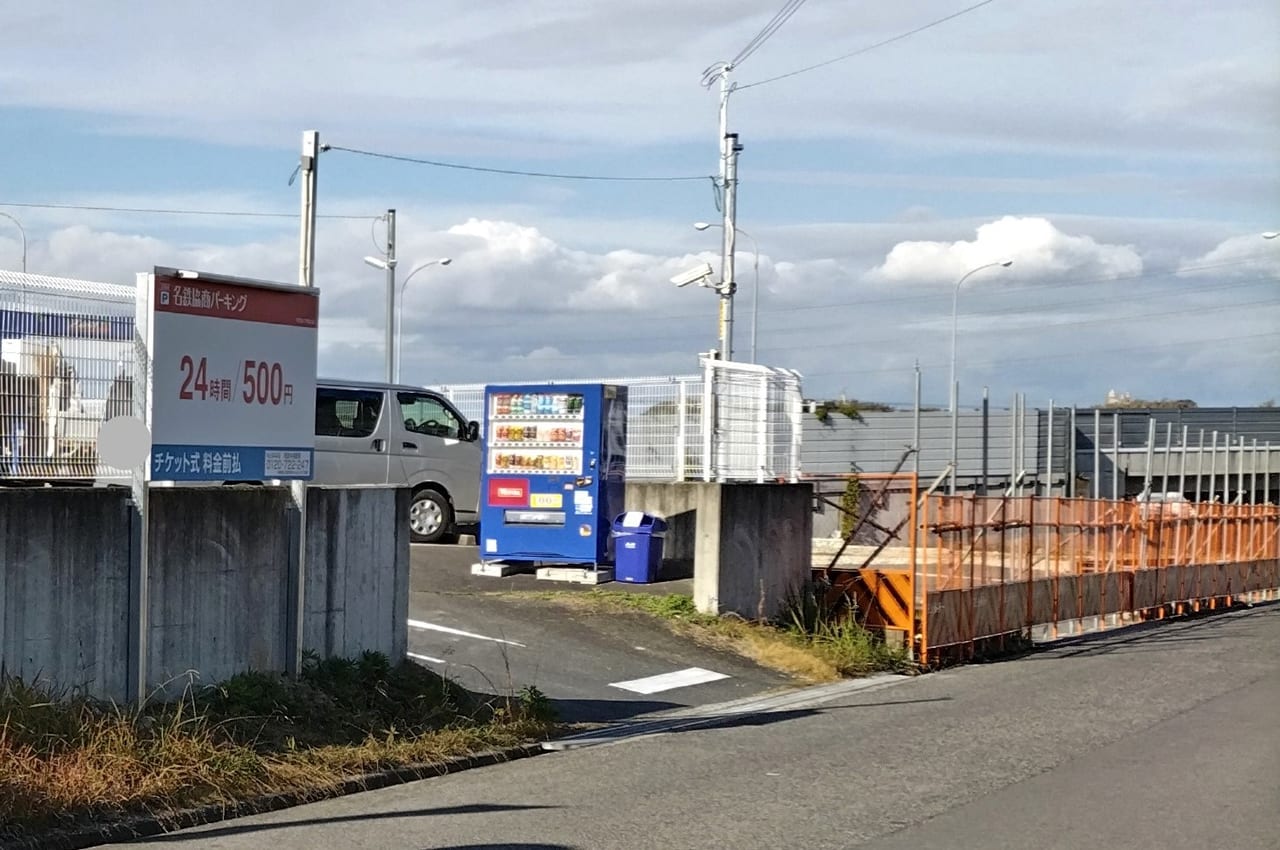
(766,539)
(357,577)
(219,582)
(64,588)
(219,590)
(750,543)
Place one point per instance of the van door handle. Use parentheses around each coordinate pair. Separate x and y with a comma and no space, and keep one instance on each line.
(408,445)
(377,445)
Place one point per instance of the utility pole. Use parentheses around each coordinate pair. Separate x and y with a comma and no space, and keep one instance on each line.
(307,243)
(391,296)
(729,149)
(728,282)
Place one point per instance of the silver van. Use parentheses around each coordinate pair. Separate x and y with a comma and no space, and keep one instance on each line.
(374,433)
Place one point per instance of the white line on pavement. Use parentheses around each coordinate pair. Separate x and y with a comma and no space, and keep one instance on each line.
(426,658)
(708,715)
(669,681)
(422,624)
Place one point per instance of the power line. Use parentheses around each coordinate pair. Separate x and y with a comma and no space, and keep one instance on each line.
(896,337)
(933,296)
(164,211)
(1050,326)
(516,172)
(869,47)
(1043,357)
(775,23)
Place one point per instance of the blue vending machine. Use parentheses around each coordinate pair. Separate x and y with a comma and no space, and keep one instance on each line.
(554,473)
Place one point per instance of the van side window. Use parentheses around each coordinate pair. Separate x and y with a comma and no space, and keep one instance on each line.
(347,413)
(426,414)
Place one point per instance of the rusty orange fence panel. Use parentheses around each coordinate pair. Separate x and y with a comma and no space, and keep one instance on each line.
(997,568)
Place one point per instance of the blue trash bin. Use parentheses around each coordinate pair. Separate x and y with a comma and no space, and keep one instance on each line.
(638,540)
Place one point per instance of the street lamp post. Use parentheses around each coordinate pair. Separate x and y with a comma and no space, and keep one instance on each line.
(755,291)
(953,389)
(443,261)
(23,231)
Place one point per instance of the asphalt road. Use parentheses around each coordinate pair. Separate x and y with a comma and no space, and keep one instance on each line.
(1163,738)
(594,666)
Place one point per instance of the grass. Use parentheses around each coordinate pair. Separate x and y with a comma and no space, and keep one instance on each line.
(71,760)
(811,640)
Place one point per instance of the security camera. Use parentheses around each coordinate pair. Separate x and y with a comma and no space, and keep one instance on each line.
(693,275)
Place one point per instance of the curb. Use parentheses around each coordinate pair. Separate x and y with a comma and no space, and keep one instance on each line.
(145,826)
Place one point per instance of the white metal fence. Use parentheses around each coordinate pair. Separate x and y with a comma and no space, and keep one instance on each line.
(68,361)
(756,434)
(757,423)
(66,365)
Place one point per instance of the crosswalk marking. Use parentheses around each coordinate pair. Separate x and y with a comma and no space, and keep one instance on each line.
(670,681)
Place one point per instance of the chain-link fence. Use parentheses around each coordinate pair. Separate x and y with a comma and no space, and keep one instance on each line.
(66,365)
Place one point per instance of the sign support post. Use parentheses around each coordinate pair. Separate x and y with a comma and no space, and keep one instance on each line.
(309,167)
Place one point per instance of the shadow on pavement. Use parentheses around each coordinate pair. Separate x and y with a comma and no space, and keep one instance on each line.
(1154,635)
(606,710)
(521,846)
(244,828)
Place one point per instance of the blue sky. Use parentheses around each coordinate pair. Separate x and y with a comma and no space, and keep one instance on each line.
(1124,155)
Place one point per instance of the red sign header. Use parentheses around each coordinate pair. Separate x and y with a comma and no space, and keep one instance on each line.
(224,300)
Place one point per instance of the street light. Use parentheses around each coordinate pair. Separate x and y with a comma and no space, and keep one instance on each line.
(1271,234)
(955,302)
(388,265)
(955,425)
(443,261)
(24,237)
(755,292)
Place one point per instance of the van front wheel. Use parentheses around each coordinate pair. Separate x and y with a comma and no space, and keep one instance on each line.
(430,517)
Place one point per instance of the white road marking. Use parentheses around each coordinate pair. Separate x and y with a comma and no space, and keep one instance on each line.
(700,716)
(422,624)
(669,681)
(426,658)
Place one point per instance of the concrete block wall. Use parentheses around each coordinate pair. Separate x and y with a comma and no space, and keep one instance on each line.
(219,588)
(64,588)
(357,593)
(219,570)
(750,543)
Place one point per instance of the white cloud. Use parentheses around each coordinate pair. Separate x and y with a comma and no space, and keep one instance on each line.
(1036,246)
(1238,256)
(517,304)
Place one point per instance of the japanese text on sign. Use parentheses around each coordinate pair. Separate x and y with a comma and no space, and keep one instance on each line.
(259,382)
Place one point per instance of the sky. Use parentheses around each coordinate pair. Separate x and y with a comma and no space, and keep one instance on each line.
(1124,156)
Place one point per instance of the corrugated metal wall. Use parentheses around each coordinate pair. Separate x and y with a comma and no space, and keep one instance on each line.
(876,442)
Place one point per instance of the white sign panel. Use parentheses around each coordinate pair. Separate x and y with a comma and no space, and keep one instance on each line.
(233,383)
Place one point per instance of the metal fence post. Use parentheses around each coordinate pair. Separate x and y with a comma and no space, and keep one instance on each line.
(682,412)
(708,418)
(762,426)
